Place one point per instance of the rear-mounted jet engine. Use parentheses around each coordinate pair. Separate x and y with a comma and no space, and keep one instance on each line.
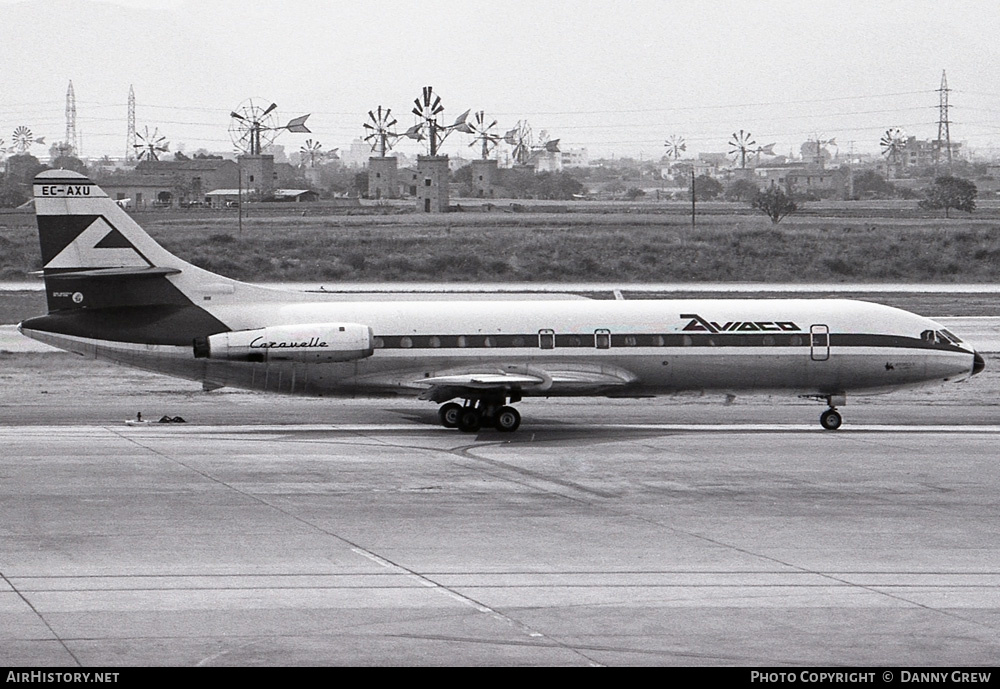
(315,342)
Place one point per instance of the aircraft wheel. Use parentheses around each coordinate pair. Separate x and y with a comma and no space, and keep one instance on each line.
(831,419)
(449,414)
(508,419)
(469,420)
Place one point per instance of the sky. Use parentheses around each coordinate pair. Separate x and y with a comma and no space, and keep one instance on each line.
(615,78)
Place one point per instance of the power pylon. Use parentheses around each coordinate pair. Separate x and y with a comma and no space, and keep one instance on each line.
(944,134)
(71,120)
(130,142)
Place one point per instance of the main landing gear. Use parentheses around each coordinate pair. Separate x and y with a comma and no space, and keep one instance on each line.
(475,414)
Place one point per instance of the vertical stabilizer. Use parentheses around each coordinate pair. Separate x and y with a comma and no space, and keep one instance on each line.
(95,255)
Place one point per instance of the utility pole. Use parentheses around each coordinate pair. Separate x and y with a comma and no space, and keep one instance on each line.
(239,199)
(692,196)
(850,174)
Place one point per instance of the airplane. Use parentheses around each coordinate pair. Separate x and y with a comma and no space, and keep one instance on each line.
(113,293)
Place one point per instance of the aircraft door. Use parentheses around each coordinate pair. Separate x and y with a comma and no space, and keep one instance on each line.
(819,342)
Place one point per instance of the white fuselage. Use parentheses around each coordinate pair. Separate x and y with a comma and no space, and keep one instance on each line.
(576,347)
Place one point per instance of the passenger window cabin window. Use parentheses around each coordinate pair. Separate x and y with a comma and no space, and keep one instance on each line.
(602,339)
(546,339)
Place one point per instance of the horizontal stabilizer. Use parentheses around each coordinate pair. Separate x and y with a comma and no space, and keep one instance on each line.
(114,273)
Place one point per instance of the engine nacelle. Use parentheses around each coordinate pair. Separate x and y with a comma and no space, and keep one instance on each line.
(308,342)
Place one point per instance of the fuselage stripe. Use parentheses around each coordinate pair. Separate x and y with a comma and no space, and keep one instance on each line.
(627,341)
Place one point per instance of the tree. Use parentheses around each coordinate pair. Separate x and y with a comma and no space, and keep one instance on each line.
(950,192)
(634,193)
(11,195)
(556,185)
(774,203)
(706,188)
(869,184)
(741,190)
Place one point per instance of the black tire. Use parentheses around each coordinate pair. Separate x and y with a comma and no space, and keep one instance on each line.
(507,419)
(470,420)
(449,414)
(831,419)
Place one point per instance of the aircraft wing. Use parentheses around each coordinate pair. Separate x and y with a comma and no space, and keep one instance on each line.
(527,378)
(481,380)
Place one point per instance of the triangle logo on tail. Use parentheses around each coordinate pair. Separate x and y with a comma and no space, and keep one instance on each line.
(99,246)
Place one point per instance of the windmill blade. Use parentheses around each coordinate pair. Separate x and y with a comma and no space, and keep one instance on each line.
(237,116)
(298,125)
(271,107)
(427,96)
(461,125)
(414,132)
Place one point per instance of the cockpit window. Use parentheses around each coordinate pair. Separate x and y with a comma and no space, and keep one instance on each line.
(944,337)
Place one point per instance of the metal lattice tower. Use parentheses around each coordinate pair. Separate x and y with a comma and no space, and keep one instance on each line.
(71,120)
(944,134)
(130,141)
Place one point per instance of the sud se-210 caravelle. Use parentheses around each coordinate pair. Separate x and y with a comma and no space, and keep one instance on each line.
(114,293)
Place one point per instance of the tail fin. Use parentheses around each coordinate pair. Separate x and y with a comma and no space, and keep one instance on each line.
(95,255)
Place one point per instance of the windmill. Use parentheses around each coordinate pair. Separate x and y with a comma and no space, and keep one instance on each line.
(24,139)
(253,127)
(520,138)
(484,134)
(381,136)
(816,147)
(675,146)
(544,143)
(763,150)
(427,108)
(740,144)
(149,145)
(311,150)
(892,144)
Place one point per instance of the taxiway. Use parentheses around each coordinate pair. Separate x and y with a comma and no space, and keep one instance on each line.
(390,541)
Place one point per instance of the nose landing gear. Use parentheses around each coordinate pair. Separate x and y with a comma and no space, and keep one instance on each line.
(831,418)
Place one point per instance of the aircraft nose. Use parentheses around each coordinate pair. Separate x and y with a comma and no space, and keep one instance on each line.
(978,363)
